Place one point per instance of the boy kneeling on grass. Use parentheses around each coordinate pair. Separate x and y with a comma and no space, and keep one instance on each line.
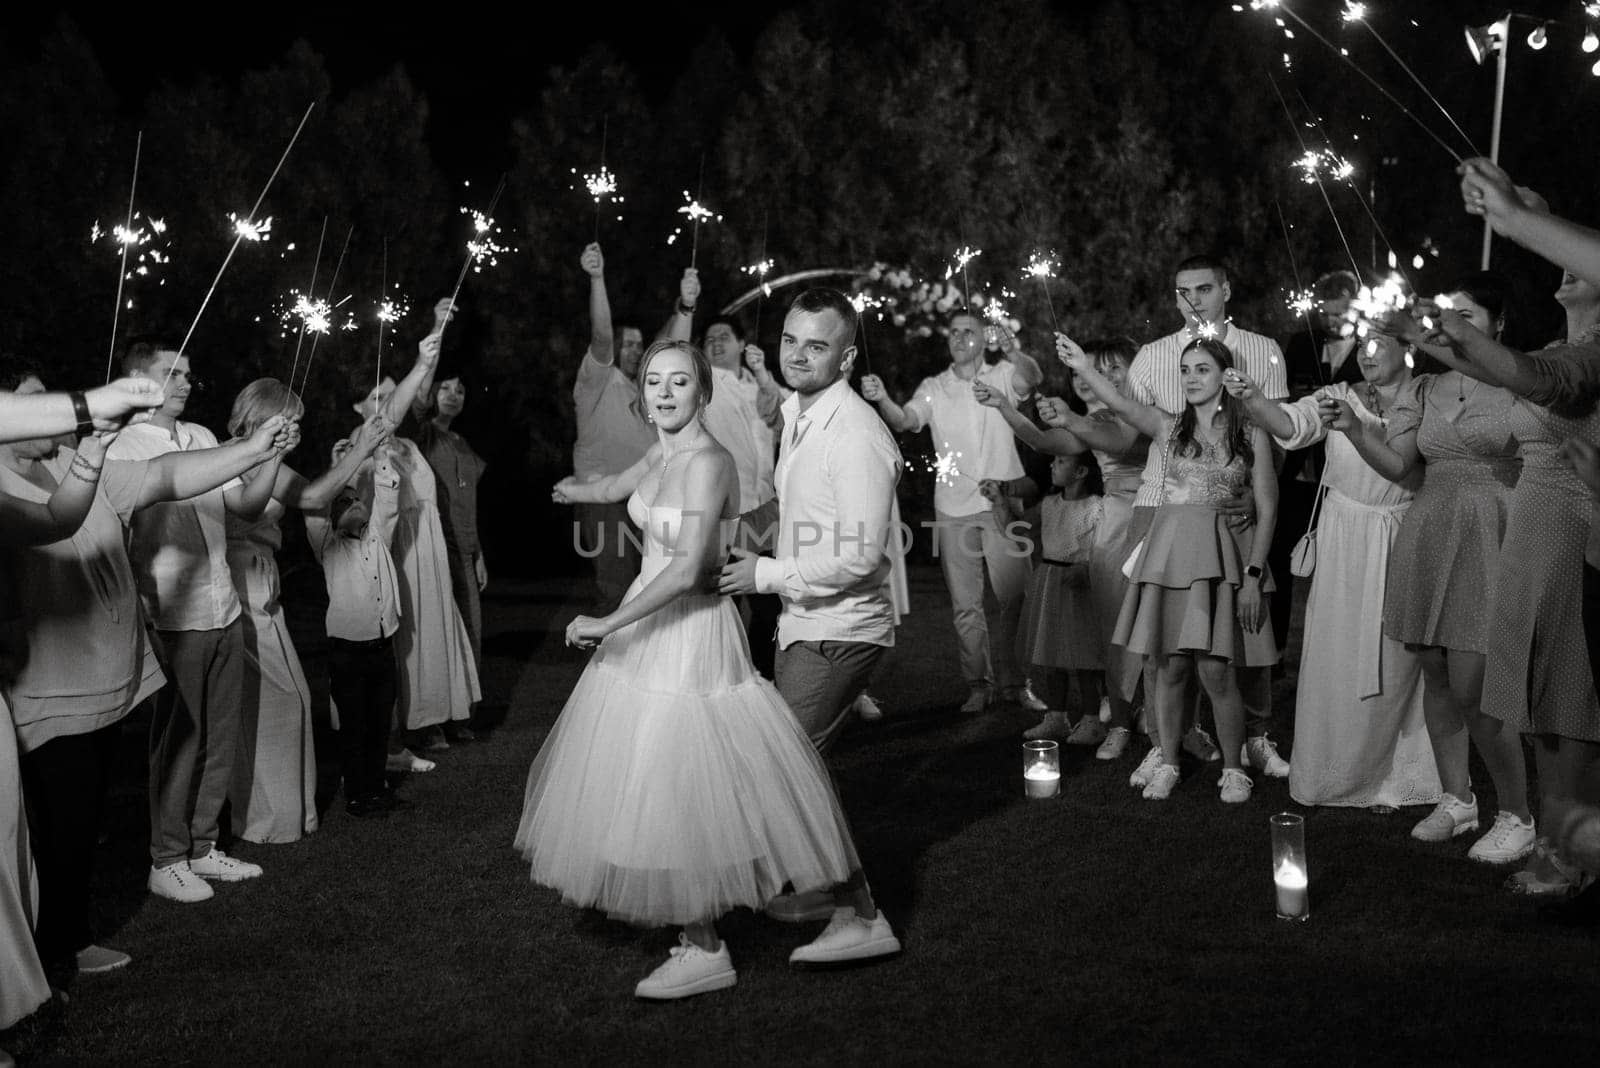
(352,544)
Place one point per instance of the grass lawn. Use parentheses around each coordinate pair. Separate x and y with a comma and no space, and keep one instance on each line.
(1094,926)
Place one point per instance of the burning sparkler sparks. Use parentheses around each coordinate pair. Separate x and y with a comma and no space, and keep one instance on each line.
(759,271)
(482,245)
(249,229)
(696,214)
(1300,302)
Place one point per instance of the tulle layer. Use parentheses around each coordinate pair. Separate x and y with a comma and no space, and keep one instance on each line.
(676,784)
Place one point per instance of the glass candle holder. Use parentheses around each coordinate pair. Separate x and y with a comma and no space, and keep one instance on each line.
(1290,876)
(1041,769)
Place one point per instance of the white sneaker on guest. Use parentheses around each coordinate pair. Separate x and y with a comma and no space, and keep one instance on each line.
(1449,818)
(848,939)
(1147,767)
(1261,754)
(177,883)
(1162,781)
(218,865)
(1508,839)
(1115,745)
(97,960)
(1234,786)
(689,970)
(1088,731)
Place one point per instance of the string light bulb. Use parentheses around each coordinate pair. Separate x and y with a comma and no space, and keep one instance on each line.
(1591,41)
(1538,38)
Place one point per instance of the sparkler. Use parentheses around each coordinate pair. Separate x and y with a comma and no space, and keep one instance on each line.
(946,466)
(242,229)
(861,302)
(1301,301)
(1313,170)
(1043,268)
(1345,173)
(123,239)
(324,309)
(697,213)
(964,255)
(603,183)
(480,246)
(1355,12)
(302,307)
(1278,5)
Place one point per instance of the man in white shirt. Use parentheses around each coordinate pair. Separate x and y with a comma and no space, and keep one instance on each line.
(178,551)
(1201,293)
(836,476)
(969,541)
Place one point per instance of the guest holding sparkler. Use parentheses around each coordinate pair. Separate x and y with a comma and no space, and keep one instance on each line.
(1203,289)
(438,677)
(1316,356)
(1196,601)
(1121,460)
(35,508)
(179,555)
(275,780)
(613,431)
(1360,736)
(970,543)
(1537,679)
(1446,557)
(457,469)
(1121,452)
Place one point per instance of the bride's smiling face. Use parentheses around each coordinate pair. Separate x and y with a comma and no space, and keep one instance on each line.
(671,389)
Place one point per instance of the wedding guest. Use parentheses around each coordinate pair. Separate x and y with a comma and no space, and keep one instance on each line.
(1360,736)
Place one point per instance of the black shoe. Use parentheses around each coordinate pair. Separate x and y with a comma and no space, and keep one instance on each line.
(376,806)
(460,732)
(393,802)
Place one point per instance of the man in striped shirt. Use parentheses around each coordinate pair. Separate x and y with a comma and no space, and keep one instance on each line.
(1201,291)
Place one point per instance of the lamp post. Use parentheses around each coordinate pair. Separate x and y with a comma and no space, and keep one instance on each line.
(1481,40)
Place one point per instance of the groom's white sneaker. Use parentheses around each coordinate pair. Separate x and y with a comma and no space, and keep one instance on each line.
(848,939)
(689,970)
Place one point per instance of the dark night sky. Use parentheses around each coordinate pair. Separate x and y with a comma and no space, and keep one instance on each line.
(476,62)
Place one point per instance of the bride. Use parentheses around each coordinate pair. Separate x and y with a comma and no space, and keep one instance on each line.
(676,784)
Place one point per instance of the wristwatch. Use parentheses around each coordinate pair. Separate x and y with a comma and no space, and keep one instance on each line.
(80,410)
(1253,571)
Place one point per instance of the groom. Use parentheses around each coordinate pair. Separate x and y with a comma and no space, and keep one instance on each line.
(835,479)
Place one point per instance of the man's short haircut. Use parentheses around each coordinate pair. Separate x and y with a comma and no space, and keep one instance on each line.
(825,298)
(1204,263)
(1335,285)
(740,334)
(1106,350)
(143,350)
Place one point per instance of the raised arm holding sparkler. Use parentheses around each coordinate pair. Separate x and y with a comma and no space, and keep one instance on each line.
(680,327)
(1145,418)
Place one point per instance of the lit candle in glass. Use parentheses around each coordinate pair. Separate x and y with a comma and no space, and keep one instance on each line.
(1289,872)
(1041,768)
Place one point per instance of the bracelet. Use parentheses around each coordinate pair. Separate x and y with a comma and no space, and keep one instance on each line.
(81,477)
(80,410)
(685,309)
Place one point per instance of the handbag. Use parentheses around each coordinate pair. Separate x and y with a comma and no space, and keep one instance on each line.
(1132,562)
(1303,557)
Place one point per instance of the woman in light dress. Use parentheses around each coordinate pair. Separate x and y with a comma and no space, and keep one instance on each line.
(1360,737)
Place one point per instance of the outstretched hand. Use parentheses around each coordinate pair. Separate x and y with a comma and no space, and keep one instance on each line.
(1487,190)
(563,491)
(872,389)
(990,397)
(1238,384)
(111,404)
(592,261)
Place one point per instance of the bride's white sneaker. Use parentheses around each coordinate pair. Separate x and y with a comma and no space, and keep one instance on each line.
(848,939)
(689,970)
